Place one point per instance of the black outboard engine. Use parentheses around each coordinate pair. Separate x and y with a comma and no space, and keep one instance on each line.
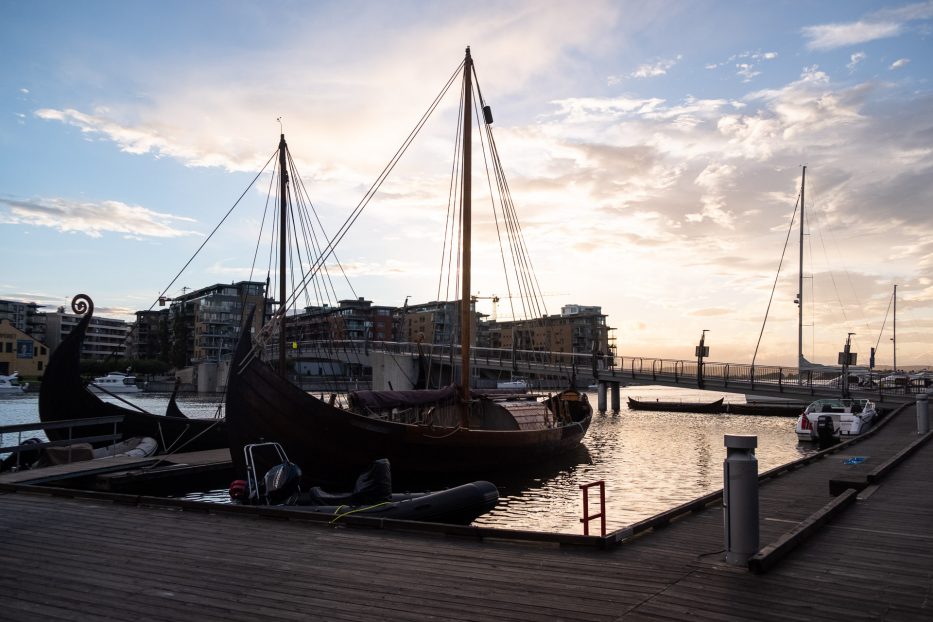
(825,431)
(282,483)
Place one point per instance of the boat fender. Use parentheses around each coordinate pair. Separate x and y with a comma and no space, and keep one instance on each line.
(238,490)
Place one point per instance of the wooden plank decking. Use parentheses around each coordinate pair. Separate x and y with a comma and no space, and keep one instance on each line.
(78,559)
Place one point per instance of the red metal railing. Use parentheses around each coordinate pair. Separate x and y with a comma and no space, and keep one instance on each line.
(587,517)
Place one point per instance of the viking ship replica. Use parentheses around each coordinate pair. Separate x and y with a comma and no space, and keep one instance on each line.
(64,396)
(452,429)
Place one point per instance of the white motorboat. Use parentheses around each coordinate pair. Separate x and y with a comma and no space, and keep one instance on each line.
(115,382)
(10,384)
(516,382)
(849,417)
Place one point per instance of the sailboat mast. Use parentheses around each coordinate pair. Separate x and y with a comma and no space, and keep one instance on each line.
(283,248)
(803,180)
(894,338)
(466,323)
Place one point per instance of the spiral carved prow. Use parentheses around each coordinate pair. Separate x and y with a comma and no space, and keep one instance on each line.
(82,304)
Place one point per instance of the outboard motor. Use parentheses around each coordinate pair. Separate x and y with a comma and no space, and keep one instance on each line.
(825,431)
(282,483)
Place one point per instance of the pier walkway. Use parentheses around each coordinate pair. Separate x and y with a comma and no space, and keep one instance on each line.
(81,559)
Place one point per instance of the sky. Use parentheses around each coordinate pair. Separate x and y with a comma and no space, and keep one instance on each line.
(653,150)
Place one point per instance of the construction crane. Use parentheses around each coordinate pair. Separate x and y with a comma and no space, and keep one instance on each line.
(495,303)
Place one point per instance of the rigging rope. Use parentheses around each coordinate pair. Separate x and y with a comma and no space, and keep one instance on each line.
(774,287)
(364,202)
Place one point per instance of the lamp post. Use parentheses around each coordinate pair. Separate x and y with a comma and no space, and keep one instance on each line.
(701,352)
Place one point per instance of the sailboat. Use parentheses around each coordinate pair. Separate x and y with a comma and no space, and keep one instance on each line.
(63,396)
(421,432)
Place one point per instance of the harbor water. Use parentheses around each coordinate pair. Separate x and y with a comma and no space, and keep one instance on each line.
(649,461)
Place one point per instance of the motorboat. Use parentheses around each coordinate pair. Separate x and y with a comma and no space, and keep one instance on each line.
(839,418)
(9,385)
(371,495)
(516,382)
(115,382)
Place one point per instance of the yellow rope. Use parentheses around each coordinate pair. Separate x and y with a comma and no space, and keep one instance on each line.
(369,507)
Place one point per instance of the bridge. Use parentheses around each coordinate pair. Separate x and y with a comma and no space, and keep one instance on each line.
(398,365)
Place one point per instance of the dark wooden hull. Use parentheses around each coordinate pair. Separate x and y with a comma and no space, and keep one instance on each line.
(64,397)
(332,444)
(681,407)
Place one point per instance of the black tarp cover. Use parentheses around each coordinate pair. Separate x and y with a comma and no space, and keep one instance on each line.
(385,400)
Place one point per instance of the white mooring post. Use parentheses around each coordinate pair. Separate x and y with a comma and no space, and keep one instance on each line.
(740,498)
(923,413)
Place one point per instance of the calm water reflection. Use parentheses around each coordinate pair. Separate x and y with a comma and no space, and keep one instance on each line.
(650,461)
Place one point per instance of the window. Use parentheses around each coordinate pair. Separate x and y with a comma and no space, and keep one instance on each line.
(9,346)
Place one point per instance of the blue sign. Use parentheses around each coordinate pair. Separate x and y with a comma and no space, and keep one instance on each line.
(855,460)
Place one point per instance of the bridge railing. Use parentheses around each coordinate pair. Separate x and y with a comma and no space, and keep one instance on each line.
(604,367)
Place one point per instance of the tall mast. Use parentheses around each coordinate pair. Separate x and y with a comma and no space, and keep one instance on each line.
(803,179)
(894,339)
(283,248)
(466,323)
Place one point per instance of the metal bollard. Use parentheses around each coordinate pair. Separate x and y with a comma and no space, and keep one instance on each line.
(740,498)
(923,414)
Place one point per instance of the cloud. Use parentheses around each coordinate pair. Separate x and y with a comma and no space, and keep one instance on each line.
(221,110)
(881,24)
(711,312)
(747,71)
(746,63)
(24,91)
(831,36)
(658,68)
(158,139)
(901,62)
(855,59)
(93,219)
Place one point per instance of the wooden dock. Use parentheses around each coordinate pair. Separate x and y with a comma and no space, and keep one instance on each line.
(119,558)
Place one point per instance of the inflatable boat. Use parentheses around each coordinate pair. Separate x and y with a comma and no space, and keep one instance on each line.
(371,496)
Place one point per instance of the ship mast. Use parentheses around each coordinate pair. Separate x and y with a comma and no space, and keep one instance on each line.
(283,248)
(803,179)
(894,338)
(465,316)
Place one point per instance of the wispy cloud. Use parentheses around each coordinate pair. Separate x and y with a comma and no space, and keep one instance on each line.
(901,62)
(655,69)
(746,63)
(93,219)
(881,24)
(831,36)
(855,59)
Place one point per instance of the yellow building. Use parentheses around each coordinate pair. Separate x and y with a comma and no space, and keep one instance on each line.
(21,353)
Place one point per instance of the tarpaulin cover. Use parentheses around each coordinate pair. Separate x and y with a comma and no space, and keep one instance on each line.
(385,400)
